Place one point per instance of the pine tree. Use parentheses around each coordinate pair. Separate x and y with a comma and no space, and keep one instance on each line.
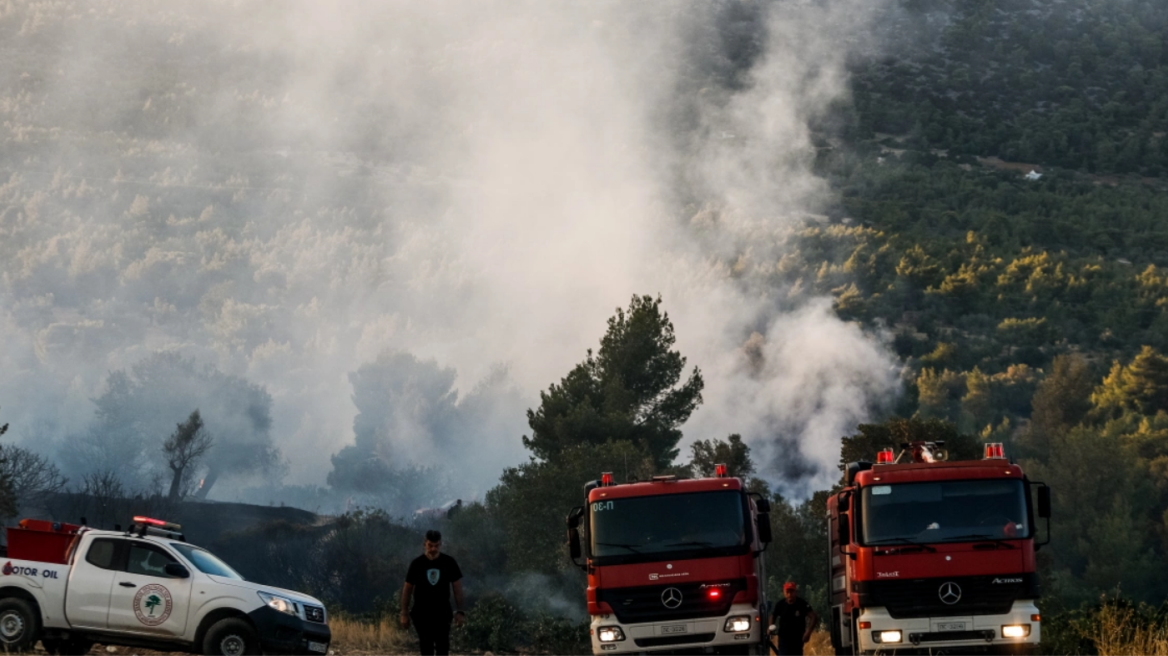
(628,391)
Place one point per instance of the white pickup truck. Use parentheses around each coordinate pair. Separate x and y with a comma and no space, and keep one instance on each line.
(71,587)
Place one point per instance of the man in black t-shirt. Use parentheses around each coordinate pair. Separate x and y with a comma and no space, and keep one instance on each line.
(429,581)
(794,620)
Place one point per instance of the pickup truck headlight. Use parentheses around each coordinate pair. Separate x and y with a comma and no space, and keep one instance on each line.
(282,604)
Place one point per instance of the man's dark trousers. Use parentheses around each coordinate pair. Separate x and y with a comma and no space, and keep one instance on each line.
(433,637)
(794,647)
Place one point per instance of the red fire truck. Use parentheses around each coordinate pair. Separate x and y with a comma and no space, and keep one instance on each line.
(673,563)
(934,555)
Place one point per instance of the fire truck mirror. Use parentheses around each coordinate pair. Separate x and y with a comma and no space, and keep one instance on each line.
(1044,501)
(574,543)
(574,516)
(764,528)
(854,468)
(845,534)
(845,502)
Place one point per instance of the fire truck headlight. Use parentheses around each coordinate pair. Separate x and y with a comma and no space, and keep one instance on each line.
(610,634)
(277,602)
(737,624)
(886,637)
(1015,631)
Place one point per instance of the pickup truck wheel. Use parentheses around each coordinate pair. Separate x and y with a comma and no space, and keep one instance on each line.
(19,625)
(231,637)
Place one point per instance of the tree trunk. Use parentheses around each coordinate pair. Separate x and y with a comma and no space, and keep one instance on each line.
(176,482)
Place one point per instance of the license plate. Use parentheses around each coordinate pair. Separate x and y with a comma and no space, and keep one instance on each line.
(950,626)
(319,647)
(674,628)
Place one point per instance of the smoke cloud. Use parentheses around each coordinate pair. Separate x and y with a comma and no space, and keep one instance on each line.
(290,191)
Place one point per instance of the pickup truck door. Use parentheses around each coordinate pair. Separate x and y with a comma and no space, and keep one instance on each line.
(144,598)
(87,597)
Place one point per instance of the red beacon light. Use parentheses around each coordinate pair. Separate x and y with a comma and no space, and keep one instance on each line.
(148,521)
(720,470)
(606,479)
(994,450)
(884,457)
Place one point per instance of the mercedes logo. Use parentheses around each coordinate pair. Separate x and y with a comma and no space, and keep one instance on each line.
(671,598)
(950,593)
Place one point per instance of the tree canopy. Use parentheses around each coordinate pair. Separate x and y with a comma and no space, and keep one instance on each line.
(137,411)
(628,391)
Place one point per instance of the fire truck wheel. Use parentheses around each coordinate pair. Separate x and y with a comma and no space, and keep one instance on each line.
(19,625)
(231,637)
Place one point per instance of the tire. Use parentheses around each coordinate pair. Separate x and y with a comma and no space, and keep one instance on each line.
(20,625)
(231,637)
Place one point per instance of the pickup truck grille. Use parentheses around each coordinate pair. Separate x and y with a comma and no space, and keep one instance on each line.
(314,614)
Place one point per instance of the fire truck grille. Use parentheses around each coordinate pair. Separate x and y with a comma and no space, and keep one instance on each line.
(694,639)
(979,595)
(679,601)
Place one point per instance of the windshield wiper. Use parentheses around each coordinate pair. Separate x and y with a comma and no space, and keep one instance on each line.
(983,536)
(617,544)
(905,541)
(690,544)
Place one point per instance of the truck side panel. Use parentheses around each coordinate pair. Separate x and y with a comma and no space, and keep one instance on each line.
(45,582)
(91,579)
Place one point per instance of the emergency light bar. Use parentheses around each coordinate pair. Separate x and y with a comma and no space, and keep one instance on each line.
(169,526)
(994,450)
(884,457)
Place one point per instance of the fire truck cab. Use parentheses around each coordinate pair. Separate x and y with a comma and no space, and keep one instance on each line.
(929,555)
(673,564)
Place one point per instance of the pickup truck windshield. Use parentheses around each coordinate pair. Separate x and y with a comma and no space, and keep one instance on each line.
(205,561)
(945,511)
(666,526)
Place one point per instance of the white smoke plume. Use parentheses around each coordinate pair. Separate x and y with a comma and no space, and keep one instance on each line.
(290,190)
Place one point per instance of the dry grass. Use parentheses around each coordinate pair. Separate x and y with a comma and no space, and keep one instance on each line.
(357,637)
(1116,632)
(819,645)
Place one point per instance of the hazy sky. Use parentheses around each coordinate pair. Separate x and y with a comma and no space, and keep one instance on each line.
(287,190)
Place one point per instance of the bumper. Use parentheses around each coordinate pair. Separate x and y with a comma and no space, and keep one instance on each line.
(281,633)
(947,632)
(678,635)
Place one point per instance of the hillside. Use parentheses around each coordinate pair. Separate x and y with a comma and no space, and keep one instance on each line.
(365,242)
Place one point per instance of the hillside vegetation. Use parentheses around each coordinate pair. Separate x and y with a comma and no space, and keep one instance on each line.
(996,211)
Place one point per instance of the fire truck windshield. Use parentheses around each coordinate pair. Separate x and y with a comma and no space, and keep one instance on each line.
(944,511)
(642,529)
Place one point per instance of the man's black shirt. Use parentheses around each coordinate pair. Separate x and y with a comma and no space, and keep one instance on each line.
(432,580)
(791,619)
